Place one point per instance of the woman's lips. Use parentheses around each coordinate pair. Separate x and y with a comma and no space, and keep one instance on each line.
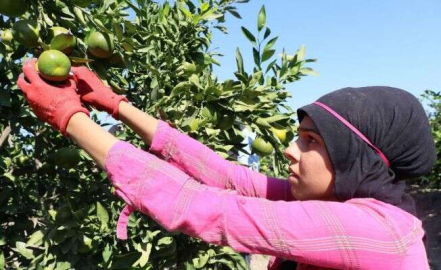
(292,177)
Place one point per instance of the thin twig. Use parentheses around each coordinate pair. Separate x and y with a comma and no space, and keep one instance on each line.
(5,135)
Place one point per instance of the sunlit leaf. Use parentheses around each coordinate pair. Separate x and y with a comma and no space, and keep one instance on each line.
(261,19)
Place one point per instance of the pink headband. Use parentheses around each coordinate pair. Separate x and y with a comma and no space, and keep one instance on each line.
(356,131)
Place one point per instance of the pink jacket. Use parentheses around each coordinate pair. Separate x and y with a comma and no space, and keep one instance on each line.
(193,190)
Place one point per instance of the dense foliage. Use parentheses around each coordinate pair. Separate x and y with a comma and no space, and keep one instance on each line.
(57,210)
(433,101)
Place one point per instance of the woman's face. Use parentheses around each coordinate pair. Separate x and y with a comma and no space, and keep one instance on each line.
(311,174)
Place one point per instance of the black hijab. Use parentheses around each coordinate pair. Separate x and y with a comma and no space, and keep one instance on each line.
(395,122)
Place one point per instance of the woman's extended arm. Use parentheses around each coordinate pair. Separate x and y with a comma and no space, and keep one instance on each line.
(189,155)
(198,160)
(140,122)
(327,234)
(91,137)
(359,234)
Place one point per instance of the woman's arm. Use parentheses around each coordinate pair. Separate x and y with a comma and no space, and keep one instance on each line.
(140,122)
(359,234)
(198,160)
(91,137)
(363,234)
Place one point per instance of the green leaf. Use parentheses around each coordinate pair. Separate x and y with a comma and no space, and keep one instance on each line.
(201,261)
(102,215)
(78,60)
(270,44)
(263,122)
(101,26)
(270,66)
(276,118)
(308,71)
(204,7)
(145,254)
(249,36)
(301,53)
(118,30)
(63,266)
(267,33)
(2,261)
(267,55)
(165,241)
(36,238)
(261,18)
(80,16)
(25,252)
(125,261)
(107,252)
(234,13)
(256,57)
(239,61)
(186,12)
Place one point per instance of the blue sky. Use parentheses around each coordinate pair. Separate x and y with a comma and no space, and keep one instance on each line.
(356,43)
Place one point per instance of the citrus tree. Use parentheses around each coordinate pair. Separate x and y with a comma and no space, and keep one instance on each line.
(433,99)
(57,210)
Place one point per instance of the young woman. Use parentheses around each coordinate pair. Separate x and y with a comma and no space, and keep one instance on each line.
(343,207)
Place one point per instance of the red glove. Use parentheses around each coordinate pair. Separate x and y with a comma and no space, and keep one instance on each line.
(52,104)
(94,92)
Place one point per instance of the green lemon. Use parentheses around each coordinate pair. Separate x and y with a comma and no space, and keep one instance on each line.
(26,32)
(189,68)
(53,66)
(66,157)
(100,44)
(261,147)
(62,39)
(13,8)
(23,160)
(226,120)
(280,133)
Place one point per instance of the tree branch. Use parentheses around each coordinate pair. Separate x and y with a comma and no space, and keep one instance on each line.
(5,135)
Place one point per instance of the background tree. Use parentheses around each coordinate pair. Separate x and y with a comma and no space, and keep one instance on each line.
(57,210)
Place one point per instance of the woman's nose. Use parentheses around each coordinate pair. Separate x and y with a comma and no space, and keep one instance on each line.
(292,152)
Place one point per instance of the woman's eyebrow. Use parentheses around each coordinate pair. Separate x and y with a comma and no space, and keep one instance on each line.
(305,129)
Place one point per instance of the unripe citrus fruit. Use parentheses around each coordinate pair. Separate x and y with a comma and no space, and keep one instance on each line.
(66,157)
(23,160)
(261,147)
(280,133)
(26,32)
(6,35)
(226,120)
(53,65)
(100,44)
(189,68)
(62,39)
(13,8)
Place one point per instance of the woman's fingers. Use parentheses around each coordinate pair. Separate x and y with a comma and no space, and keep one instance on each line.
(30,72)
(23,84)
(69,84)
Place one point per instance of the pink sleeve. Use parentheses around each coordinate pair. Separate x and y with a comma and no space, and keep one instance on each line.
(360,234)
(207,167)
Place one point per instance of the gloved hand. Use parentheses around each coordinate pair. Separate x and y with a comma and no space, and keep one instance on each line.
(54,104)
(94,92)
